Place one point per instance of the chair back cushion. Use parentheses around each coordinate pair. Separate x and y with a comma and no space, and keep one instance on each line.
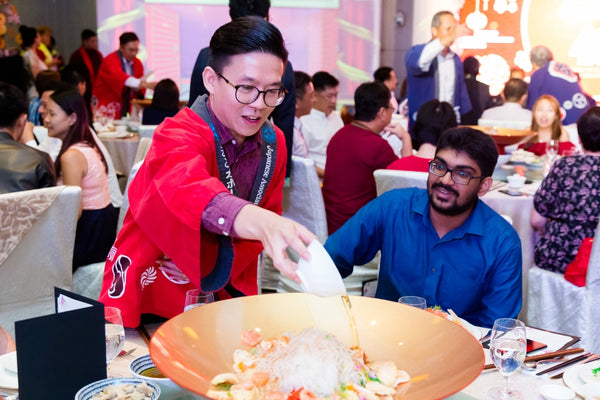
(42,259)
(387,179)
(303,200)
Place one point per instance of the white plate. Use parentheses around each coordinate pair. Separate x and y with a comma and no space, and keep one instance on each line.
(8,377)
(586,375)
(572,378)
(474,330)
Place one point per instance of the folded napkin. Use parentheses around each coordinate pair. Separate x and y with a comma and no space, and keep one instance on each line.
(18,212)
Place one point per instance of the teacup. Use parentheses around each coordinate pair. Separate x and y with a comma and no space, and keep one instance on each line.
(515,182)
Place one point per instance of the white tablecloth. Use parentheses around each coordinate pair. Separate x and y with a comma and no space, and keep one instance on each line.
(122,152)
(518,208)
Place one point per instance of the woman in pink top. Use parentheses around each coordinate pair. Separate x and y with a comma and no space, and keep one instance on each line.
(81,163)
(546,122)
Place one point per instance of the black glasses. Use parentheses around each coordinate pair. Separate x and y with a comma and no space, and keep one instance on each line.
(247,94)
(458,176)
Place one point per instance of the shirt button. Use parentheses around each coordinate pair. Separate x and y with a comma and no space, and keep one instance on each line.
(221,221)
(432,269)
(233,141)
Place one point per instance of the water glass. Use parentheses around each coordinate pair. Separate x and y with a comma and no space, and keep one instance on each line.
(508,345)
(114,332)
(413,301)
(195,298)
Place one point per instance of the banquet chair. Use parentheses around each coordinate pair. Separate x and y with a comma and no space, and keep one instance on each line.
(87,279)
(142,149)
(303,203)
(555,304)
(387,179)
(43,257)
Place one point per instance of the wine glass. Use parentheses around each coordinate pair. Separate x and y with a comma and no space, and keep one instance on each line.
(413,301)
(508,346)
(114,332)
(195,298)
(552,149)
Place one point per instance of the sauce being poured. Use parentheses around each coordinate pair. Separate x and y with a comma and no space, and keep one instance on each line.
(353,329)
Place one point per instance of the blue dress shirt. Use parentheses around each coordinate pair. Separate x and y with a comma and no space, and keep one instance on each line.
(474,269)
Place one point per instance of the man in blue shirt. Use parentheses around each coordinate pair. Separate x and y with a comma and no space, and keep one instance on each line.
(443,243)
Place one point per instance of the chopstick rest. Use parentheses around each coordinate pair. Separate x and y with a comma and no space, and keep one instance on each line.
(564,364)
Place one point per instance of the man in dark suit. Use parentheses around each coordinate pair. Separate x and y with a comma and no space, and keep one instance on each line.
(21,167)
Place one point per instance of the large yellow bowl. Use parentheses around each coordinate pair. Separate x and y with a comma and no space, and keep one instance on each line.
(441,357)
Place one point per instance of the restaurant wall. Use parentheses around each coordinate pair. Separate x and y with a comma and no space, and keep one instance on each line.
(67,18)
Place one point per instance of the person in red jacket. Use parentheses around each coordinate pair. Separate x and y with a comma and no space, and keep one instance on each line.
(207,198)
(120,78)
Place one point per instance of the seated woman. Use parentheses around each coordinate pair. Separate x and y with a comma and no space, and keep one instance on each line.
(567,204)
(545,121)
(81,163)
(433,118)
(165,103)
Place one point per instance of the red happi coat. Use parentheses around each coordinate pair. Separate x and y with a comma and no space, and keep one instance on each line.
(167,197)
(110,82)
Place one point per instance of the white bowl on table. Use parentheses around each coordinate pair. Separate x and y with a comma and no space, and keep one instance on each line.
(142,363)
(556,392)
(89,391)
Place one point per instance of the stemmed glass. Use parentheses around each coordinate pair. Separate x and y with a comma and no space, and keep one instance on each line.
(552,149)
(508,346)
(114,332)
(195,298)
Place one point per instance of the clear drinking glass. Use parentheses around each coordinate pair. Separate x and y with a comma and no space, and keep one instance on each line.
(114,332)
(413,301)
(552,149)
(508,345)
(195,298)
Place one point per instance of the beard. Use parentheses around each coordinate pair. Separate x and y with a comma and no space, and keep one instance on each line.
(451,208)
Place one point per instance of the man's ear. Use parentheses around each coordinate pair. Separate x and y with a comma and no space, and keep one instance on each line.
(485,186)
(209,76)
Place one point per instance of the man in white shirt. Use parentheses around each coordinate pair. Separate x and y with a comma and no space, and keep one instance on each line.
(305,98)
(515,94)
(436,72)
(387,76)
(324,121)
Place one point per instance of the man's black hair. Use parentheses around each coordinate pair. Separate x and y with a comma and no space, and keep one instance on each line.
(245,35)
(13,104)
(242,8)
(480,147)
(382,74)
(301,80)
(128,37)
(87,34)
(323,80)
(369,97)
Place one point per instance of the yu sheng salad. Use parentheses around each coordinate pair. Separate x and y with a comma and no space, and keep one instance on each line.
(312,364)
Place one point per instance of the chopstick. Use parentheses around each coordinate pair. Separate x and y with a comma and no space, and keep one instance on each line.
(544,356)
(564,364)
(591,358)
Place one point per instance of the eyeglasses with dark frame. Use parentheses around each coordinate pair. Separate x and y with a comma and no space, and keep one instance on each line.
(247,94)
(458,176)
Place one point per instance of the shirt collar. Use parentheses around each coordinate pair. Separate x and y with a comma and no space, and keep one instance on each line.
(225,135)
(474,225)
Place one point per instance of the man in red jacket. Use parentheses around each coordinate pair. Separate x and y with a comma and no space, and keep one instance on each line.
(121,78)
(208,196)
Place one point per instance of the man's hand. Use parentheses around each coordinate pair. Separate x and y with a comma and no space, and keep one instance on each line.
(147,84)
(404,137)
(27,135)
(448,37)
(276,234)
